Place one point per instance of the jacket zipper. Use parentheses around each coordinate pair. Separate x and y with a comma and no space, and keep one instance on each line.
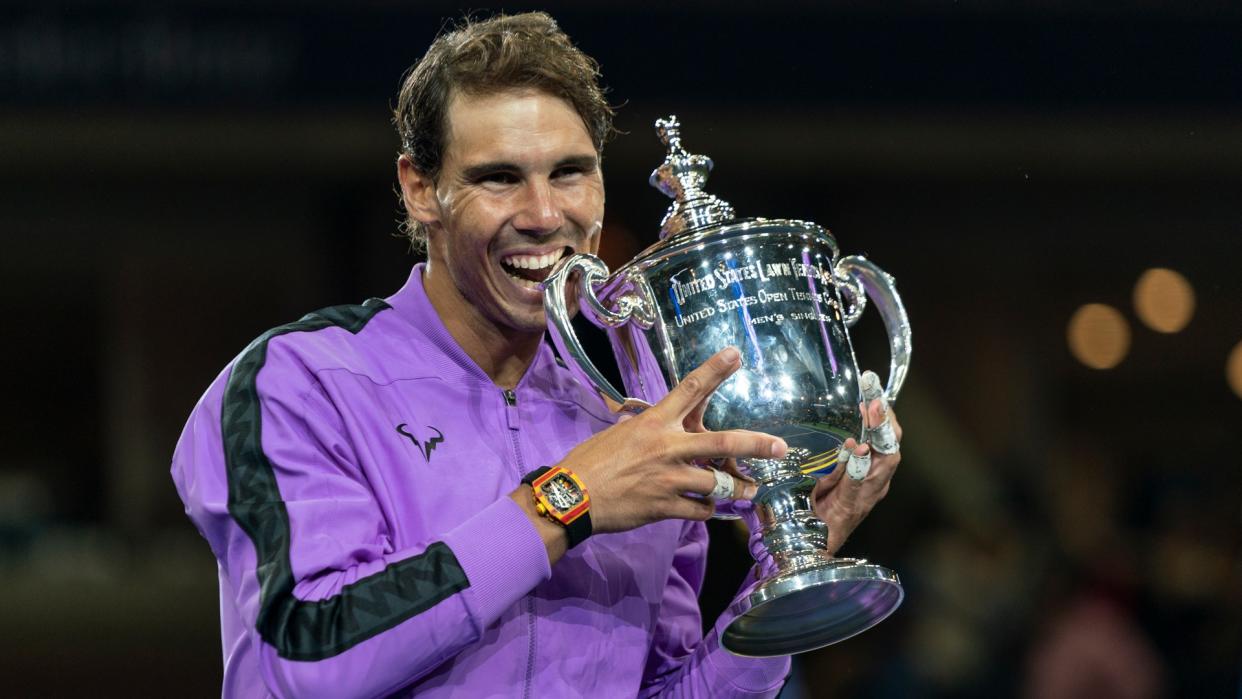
(511,420)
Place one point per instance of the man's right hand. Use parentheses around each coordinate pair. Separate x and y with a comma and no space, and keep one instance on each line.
(640,470)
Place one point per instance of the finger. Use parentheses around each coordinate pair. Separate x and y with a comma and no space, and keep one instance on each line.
(693,422)
(725,464)
(877,412)
(883,439)
(849,446)
(736,444)
(732,466)
(882,435)
(830,478)
(870,386)
(692,508)
(883,431)
(716,484)
(725,485)
(699,384)
(691,479)
(747,490)
(883,467)
(859,463)
(892,417)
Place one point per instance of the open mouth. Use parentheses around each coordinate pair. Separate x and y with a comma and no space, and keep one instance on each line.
(529,270)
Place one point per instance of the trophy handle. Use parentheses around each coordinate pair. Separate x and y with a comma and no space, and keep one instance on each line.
(592,272)
(860,278)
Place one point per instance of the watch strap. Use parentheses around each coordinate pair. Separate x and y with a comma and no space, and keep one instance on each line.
(579,529)
(529,479)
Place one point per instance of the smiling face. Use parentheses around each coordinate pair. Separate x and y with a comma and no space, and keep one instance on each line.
(519,187)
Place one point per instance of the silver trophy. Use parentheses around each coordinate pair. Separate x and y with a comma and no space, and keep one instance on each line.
(779,291)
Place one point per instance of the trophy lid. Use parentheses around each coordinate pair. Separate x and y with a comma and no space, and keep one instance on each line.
(681,177)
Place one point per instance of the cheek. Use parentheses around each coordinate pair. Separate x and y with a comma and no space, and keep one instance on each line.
(472,223)
(463,209)
(587,205)
(594,195)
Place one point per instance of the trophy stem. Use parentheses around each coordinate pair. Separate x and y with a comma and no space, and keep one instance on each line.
(792,535)
(810,599)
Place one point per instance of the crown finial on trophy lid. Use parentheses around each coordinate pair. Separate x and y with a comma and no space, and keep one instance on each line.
(681,177)
(669,131)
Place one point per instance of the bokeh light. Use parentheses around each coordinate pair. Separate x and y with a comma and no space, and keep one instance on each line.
(1164,300)
(1099,336)
(1233,369)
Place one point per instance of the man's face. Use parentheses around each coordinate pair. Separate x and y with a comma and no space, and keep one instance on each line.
(520,186)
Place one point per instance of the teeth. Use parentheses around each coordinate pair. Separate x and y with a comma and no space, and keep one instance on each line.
(525,282)
(534,261)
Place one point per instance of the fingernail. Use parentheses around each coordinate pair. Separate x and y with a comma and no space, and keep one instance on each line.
(779,448)
(731,355)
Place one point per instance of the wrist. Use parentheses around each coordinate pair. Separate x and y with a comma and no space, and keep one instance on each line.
(555,540)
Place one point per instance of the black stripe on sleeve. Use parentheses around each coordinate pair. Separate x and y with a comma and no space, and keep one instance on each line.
(301,630)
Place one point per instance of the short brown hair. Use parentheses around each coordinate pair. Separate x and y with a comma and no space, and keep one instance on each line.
(503,52)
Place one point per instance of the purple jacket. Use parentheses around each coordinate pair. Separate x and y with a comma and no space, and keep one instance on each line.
(350,472)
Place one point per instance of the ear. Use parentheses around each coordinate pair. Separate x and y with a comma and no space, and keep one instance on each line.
(418,192)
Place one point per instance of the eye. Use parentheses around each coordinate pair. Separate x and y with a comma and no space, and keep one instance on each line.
(569,172)
(499,177)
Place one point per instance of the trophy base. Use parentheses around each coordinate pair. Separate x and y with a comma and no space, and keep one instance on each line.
(810,608)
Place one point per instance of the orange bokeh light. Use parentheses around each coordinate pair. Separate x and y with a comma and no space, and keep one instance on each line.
(1098,336)
(1233,369)
(1164,300)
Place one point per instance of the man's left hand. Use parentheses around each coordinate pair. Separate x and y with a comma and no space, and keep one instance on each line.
(844,499)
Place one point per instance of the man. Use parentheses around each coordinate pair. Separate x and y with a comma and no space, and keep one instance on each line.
(359,473)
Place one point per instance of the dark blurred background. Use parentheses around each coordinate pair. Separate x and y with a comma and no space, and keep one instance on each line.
(1055,185)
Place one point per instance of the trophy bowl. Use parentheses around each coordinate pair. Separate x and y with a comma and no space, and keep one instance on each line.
(780,292)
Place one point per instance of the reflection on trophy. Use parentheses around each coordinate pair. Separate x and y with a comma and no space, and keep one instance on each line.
(779,291)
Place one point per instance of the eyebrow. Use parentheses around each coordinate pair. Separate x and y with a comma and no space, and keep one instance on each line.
(585,162)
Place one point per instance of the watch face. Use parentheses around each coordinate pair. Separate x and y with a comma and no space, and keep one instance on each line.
(562,492)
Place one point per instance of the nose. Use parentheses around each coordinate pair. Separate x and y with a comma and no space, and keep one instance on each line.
(540,213)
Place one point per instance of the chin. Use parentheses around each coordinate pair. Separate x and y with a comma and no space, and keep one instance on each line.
(520,317)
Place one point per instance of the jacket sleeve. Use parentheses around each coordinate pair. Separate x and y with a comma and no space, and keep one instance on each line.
(332,608)
(684,663)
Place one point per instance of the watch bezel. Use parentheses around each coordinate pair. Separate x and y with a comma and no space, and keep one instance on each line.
(563,516)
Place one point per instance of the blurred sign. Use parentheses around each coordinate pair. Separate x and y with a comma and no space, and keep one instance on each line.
(71,60)
(199,56)
(276,52)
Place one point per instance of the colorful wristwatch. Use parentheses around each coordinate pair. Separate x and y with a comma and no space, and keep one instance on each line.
(562,498)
